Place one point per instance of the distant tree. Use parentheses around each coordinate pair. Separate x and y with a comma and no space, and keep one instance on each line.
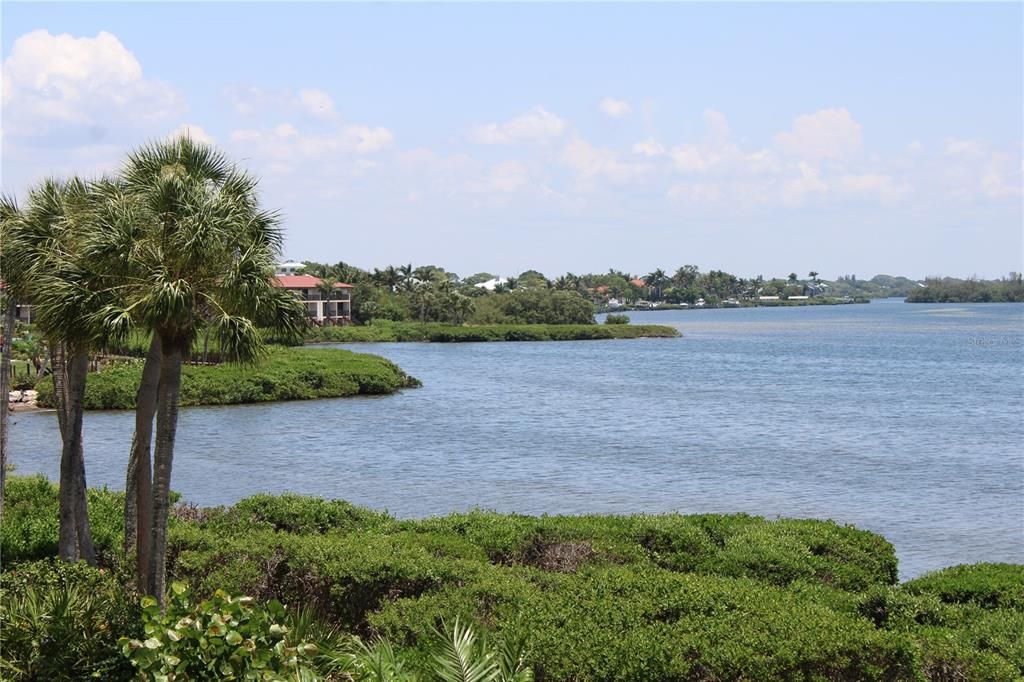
(813,275)
(656,281)
(792,278)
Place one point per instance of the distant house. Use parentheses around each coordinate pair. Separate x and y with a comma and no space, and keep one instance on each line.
(638,282)
(323,307)
(492,284)
(290,268)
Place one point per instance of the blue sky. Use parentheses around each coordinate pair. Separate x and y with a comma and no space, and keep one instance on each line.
(755,138)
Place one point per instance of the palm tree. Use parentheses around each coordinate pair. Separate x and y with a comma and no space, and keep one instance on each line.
(196,252)
(9,215)
(45,251)
(813,275)
(656,280)
(792,278)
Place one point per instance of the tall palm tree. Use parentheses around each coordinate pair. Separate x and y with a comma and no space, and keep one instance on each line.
(656,280)
(46,248)
(9,215)
(813,275)
(201,256)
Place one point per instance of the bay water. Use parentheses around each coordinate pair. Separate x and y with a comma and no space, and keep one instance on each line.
(903,419)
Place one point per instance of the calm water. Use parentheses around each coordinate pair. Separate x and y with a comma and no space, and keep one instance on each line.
(903,419)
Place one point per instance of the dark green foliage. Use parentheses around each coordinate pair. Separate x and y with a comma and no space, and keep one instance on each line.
(990,586)
(612,318)
(30,525)
(388,332)
(644,597)
(950,290)
(61,622)
(534,306)
(287,374)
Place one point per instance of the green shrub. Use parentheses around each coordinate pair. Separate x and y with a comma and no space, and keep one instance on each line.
(223,637)
(613,318)
(383,331)
(619,622)
(29,530)
(987,585)
(287,374)
(61,622)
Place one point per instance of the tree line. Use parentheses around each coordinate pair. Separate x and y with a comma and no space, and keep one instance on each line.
(174,246)
(432,294)
(972,290)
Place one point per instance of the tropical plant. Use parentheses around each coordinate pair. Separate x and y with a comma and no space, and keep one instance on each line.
(46,254)
(225,637)
(9,215)
(192,251)
(61,622)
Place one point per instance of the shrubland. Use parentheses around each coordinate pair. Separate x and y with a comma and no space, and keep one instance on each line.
(642,597)
(442,333)
(286,374)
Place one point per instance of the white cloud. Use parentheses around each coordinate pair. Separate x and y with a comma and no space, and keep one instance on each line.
(318,103)
(649,147)
(877,186)
(193,131)
(826,134)
(590,162)
(968,149)
(60,81)
(536,125)
(506,177)
(689,159)
(796,190)
(286,143)
(616,108)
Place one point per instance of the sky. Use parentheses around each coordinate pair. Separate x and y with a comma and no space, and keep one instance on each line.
(760,139)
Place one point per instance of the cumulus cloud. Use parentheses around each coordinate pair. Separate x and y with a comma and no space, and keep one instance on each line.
(796,190)
(649,147)
(52,82)
(193,131)
(318,103)
(535,125)
(590,162)
(285,142)
(825,134)
(616,108)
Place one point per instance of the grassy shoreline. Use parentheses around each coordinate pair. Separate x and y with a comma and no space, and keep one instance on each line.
(643,597)
(442,333)
(286,374)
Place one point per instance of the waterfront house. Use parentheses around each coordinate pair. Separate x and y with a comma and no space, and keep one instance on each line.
(323,307)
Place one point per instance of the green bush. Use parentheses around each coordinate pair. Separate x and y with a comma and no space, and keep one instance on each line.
(223,637)
(61,622)
(990,586)
(612,318)
(30,525)
(287,374)
(384,332)
(645,597)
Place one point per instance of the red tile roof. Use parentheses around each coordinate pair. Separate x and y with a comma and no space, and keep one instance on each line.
(638,282)
(304,282)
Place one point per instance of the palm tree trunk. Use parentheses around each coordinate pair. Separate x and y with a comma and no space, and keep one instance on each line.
(78,372)
(138,498)
(166,427)
(5,391)
(67,542)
